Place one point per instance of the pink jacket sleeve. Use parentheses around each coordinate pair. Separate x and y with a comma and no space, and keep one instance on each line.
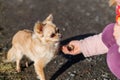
(93,45)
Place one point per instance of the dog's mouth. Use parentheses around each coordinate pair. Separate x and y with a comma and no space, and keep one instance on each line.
(55,40)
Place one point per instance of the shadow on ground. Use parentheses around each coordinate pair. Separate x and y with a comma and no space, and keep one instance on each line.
(71,59)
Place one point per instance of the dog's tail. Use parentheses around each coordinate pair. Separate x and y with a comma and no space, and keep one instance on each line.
(11,55)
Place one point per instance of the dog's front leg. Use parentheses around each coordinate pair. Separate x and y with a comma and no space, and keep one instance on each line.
(39,68)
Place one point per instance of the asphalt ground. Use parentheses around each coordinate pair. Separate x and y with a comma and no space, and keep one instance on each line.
(76,19)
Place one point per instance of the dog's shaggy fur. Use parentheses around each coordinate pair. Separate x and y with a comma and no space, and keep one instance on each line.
(39,45)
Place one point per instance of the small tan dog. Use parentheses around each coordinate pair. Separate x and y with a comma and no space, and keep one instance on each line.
(39,45)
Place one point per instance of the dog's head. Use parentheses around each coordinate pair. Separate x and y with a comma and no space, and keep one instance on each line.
(47,30)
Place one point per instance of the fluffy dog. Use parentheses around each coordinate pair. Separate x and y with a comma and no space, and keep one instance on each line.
(40,45)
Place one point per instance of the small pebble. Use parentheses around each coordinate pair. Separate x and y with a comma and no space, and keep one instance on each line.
(63,29)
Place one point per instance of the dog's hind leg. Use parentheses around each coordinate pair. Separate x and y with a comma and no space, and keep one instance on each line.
(11,55)
(19,56)
(39,68)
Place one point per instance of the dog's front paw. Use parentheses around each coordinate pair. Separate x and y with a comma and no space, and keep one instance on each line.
(38,77)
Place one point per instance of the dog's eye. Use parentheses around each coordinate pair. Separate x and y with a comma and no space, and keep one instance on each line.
(52,35)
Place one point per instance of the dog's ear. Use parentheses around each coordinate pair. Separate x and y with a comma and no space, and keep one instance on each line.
(48,19)
(38,28)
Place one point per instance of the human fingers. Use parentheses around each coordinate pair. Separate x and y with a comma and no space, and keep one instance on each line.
(65,50)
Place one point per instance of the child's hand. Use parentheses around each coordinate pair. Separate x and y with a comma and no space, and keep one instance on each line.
(75,48)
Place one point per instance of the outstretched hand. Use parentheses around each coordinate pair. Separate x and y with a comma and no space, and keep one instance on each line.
(75,48)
